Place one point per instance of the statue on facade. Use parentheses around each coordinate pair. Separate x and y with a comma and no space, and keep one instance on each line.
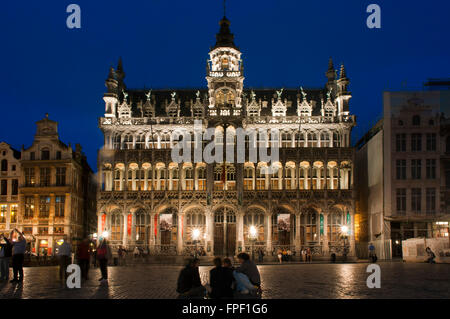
(173,95)
(125,95)
(148,95)
(303,93)
(279,93)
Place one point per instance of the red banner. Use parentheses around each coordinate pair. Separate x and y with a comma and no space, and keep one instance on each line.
(129,220)
(103,223)
(156,225)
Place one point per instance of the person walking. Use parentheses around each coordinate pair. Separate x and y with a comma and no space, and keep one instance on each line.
(5,257)
(289,255)
(64,255)
(189,284)
(303,253)
(431,256)
(372,256)
(280,256)
(221,281)
(136,252)
(103,255)
(260,255)
(83,258)
(121,254)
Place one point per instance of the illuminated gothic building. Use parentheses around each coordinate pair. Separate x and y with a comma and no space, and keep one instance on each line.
(146,199)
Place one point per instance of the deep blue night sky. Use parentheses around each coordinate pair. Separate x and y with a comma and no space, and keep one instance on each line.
(48,68)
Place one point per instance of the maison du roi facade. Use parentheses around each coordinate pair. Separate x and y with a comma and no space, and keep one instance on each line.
(48,191)
(147,200)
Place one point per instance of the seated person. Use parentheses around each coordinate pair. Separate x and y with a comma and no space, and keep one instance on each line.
(248,279)
(189,284)
(221,281)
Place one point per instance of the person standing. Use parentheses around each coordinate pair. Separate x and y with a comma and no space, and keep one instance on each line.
(64,255)
(308,255)
(289,255)
(103,255)
(372,253)
(221,281)
(280,256)
(18,253)
(5,257)
(83,258)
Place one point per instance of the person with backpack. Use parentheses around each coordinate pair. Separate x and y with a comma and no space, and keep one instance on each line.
(103,255)
(5,257)
(18,253)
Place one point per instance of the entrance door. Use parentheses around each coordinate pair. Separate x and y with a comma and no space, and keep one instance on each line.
(231,239)
(224,233)
(218,239)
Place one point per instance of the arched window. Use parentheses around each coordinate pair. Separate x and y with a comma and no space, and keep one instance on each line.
(128,142)
(142,221)
(416,120)
(312,140)
(201,178)
(116,226)
(334,223)
(4,165)
(248,178)
(168,221)
(140,141)
(116,142)
(254,218)
(189,178)
(310,224)
(195,224)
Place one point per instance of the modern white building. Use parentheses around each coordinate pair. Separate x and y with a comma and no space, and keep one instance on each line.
(228,206)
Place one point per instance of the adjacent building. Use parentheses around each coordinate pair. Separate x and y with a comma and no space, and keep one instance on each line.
(56,191)
(9,186)
(401,170)
(305,200)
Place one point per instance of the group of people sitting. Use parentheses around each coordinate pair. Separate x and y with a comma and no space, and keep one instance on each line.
(226,282)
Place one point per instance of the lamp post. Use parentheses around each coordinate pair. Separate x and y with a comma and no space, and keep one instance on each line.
(253,232)
(344,234)
(195,237)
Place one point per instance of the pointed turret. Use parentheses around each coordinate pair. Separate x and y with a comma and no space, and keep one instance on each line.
(225,38)
(111,82)
(343,74)
(331,74)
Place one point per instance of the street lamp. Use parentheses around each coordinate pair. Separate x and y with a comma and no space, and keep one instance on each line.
(253,233)
(105,234)
(195,237)
(344,233)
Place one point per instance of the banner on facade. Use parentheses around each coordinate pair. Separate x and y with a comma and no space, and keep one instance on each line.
(156,223)
(103,222)
(348,219)
(284,222)
(321,224)
(129,221)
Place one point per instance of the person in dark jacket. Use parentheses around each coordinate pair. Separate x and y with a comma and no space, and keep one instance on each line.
(83,257)
(431,256)
(221,281)
(189,284)
(5,257)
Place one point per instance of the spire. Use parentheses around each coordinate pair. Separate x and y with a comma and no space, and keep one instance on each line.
(111,74)
(343,74)
(120,73)
(225,38)
(331,74)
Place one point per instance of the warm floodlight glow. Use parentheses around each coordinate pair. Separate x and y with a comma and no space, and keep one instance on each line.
(344,230)
(253,231)
(196,234)
(105,234)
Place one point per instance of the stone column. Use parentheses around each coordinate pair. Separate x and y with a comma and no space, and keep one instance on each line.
(209,232)
(325,239)
(180,233)
(269,233)
(352,235)
(240,230)
(298,243)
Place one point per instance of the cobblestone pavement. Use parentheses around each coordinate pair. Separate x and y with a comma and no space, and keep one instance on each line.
(398,280)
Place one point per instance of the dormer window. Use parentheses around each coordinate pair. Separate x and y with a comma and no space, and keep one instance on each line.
(45,154)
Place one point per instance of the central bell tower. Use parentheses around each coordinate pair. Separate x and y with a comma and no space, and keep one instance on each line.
(224,73)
